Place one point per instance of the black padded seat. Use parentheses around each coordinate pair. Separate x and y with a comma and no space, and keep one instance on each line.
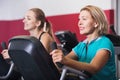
(31,59)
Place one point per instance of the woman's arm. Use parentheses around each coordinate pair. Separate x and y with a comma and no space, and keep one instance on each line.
(94,66)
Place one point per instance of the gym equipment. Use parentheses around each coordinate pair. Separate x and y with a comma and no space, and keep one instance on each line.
(31,59)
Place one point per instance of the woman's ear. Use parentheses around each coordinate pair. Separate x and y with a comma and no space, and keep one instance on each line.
(95,25)
(38,23)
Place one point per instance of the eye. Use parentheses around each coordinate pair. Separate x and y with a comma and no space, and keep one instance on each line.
(28,18)
(84,19)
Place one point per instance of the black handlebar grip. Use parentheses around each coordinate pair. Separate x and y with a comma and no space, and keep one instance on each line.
(3,45)
(54,46)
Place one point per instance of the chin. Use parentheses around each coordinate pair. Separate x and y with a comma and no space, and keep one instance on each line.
(82,33)
(25,29)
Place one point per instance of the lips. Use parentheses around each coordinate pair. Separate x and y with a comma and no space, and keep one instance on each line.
(25,24)
(81,28)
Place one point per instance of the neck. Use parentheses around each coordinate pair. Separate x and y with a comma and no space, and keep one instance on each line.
(92,37)
(35,33)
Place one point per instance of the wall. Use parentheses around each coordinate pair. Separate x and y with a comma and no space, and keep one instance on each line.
(62,14)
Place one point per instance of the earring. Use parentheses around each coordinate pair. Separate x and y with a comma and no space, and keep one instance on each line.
(95,25)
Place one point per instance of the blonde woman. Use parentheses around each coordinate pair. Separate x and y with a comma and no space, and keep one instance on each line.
(96,53)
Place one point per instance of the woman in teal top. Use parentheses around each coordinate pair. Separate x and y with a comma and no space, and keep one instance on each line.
(86,52)
(96,53)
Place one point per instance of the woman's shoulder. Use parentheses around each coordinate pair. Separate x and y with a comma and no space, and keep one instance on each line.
(46,36)
(104,38)
(105,41)
(43,34)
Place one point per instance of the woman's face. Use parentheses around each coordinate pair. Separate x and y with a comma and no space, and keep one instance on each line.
(30,21)
(86,23)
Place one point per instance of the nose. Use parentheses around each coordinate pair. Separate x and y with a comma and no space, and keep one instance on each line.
(79,23)
(23,20)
